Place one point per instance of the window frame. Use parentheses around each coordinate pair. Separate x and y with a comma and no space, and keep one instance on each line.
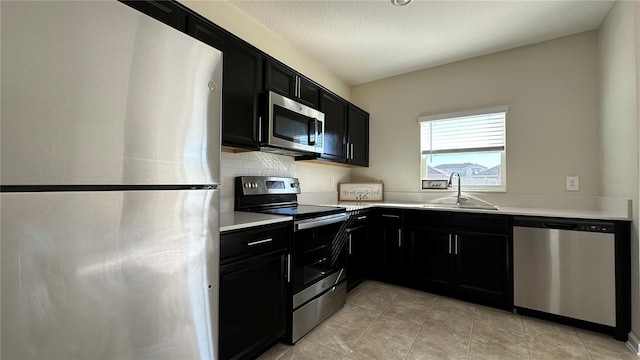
(453,115)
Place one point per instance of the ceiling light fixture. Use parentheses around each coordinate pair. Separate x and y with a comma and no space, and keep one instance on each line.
(400,2)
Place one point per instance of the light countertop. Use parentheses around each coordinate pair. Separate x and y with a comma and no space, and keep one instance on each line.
(234,220)
(514,211)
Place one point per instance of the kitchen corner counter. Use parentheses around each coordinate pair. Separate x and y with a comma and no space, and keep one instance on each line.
(236,220)
(506,210)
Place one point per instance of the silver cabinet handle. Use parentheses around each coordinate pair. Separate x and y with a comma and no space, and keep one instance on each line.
(456,248)
(349,244)
(260,129)
(391,216)
(253,243)
(362,217)
(449,244)
(346,147)
(351,151)
(288,268)
(399,237)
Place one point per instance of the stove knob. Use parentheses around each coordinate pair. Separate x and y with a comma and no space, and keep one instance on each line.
(255,185)
(246,185)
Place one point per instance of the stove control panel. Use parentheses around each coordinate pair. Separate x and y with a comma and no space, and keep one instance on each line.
(265,185)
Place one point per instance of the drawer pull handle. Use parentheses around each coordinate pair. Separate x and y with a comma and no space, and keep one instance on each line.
(362,217)
(391,216)
(253,243)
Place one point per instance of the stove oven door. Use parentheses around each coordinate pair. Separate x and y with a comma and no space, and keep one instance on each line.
(318,251)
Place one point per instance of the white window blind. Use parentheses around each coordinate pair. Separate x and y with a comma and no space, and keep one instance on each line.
(461,132)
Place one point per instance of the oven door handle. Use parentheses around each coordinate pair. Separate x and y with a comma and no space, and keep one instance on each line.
(320,221)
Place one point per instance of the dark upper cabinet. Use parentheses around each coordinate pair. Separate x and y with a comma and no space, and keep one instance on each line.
(346,131)
(245,75)
(335,127)
(168,12)
(241,83)
(358,137)
(283,80)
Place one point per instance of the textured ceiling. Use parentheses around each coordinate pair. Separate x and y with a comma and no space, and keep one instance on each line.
(362,41)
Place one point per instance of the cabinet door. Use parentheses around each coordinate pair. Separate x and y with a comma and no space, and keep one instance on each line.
(241,74)
(335,126)
(358,133)
(429,259)
(279,79)
(252,305)
(308,92)
(165,11)
(358,255)
(283,80)
(387,247)
(481,265)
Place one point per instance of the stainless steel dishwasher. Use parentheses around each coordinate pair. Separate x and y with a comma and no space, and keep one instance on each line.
(565,267)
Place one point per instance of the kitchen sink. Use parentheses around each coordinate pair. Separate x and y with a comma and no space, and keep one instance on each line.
(466,201)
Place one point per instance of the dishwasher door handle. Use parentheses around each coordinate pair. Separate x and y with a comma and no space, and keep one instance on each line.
(559,226)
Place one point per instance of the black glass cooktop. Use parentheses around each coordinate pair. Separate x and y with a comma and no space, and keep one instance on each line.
(304,211)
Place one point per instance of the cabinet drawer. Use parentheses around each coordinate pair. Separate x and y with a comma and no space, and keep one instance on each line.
(245,243)
(494,224)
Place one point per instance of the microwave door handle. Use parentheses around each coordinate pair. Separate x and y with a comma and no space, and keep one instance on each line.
(315,123)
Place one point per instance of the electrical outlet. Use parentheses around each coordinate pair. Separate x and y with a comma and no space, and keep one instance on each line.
(573,183)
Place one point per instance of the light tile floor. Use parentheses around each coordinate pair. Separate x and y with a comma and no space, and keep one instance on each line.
(387,322)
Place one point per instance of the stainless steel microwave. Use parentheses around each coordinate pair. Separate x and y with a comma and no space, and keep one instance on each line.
(292,128)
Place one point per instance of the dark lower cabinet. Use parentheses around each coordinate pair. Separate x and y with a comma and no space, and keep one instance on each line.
(387,243)
(460,255)
(429,263)
(253,288)
(358,248)
(481,266)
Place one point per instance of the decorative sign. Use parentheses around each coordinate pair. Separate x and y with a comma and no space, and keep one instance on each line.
(360,192)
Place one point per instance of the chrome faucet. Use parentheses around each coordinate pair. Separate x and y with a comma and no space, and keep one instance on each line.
(451,184)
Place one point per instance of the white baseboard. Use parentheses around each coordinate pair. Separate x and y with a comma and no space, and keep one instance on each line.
(634,343)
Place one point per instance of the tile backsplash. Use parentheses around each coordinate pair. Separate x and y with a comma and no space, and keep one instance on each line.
(318,182)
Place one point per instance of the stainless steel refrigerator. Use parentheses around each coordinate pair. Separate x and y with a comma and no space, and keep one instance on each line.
(110,156)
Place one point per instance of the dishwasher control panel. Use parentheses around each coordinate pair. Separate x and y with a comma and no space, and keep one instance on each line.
(566,224)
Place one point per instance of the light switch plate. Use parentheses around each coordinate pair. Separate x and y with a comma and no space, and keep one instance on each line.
(573,183)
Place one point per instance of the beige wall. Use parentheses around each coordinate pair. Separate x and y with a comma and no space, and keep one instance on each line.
(619,122)
(227,16)
(552,125)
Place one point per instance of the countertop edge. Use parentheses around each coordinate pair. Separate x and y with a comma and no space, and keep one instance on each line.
(238,220)
(512,211)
